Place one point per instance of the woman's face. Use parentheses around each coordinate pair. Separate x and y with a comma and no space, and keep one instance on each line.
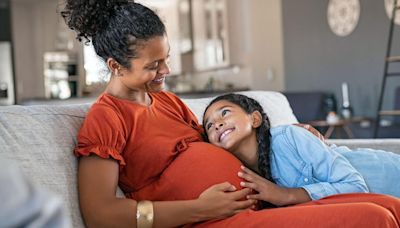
(229,126)
(148,71)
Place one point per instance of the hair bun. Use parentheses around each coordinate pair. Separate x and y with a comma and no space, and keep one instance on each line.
(88,17)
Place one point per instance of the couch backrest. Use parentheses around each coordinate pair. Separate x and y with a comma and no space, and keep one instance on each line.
(41,139)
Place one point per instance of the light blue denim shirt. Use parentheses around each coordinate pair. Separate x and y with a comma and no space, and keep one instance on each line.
(299,159)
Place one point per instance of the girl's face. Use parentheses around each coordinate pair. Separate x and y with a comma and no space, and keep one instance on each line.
(148,71)
(230,127)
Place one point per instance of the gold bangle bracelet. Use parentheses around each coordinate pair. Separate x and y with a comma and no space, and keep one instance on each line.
(144,214)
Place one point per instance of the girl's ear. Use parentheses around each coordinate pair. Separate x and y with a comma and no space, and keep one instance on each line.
(257,119)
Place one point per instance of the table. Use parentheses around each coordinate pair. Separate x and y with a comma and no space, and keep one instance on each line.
(340,124)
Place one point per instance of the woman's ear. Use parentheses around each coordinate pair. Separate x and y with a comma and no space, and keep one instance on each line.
(114,67)
(257,119)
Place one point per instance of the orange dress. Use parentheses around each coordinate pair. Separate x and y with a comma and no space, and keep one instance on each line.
(162,157)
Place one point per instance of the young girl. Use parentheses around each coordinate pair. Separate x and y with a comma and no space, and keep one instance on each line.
(288,164)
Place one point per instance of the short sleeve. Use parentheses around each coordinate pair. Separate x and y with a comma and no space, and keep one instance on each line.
(102,133)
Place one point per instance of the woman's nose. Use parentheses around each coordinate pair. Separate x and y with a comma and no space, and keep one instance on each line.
(165,69)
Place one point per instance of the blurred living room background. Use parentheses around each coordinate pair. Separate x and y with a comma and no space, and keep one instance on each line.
(326,56)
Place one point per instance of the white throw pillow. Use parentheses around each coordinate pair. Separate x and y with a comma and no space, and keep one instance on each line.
(274,104)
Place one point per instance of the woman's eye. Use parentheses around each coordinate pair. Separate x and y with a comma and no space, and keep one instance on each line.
(224,112)
(153,67)
(209,125)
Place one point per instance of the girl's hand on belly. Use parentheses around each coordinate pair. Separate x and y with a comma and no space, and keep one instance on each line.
(271,192)
(222,200)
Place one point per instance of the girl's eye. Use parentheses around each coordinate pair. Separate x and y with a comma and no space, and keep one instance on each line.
(224,112)
(209,125)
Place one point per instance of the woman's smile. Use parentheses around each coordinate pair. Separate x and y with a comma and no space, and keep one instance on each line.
(159,80)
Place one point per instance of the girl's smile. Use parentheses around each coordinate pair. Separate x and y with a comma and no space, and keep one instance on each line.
(225,134)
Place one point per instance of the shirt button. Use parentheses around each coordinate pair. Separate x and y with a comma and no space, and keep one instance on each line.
(306,179)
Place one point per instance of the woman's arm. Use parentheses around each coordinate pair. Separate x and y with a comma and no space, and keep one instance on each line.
(98,180)
(311,129)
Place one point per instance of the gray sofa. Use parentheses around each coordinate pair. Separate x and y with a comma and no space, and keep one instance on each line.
(40,139)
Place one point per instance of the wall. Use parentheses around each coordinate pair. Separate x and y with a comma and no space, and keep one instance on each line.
(35,28)
(316,59)
(26,59)
(266,43)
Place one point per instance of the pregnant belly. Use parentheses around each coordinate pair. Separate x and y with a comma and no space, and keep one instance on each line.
(193,171)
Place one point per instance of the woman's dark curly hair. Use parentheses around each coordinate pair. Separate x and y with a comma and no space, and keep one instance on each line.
(250,105)
(115,27)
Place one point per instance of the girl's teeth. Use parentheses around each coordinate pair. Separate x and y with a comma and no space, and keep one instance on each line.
(225,134)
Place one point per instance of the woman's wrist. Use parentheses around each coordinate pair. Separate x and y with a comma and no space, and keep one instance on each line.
(199,209)
(144,214)
(177,213)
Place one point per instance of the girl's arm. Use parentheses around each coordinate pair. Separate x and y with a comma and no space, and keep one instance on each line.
(330,172)
(98,180)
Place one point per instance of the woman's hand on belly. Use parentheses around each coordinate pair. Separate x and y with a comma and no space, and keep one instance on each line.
(222,200)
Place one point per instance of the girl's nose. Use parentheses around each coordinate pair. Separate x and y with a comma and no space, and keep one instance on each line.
(219,126)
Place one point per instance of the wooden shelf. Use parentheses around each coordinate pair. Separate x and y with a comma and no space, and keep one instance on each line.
(390,113)
(393,59)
